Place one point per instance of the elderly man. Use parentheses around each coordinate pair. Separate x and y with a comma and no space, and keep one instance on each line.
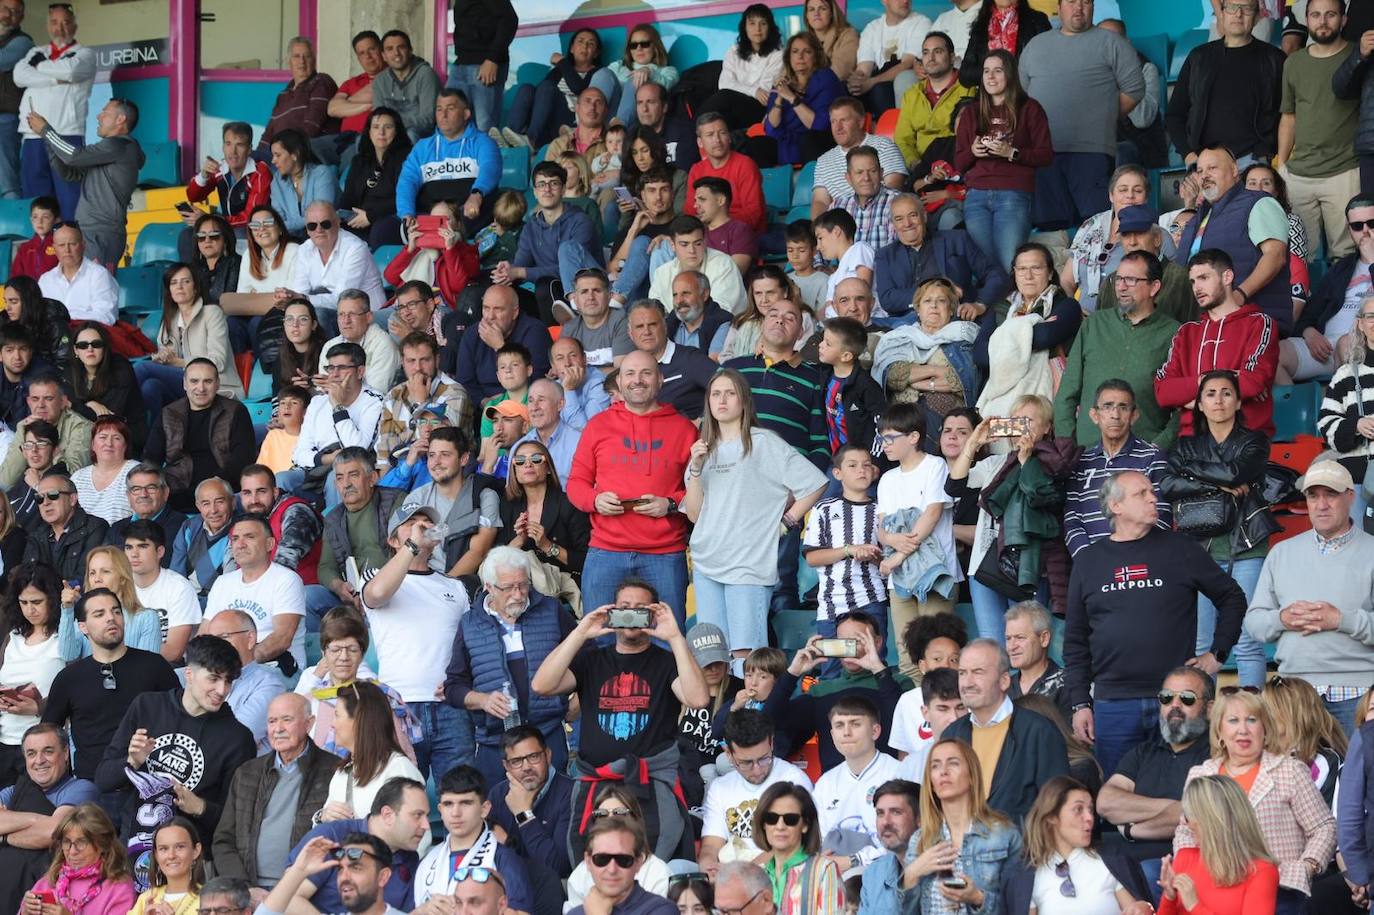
(257,684)
(533,802)
(1118,648)
(200,436)
(201,549)
(598,327)
(457,162)
(900,267)
(651,111)
(47,401)
(295,526)
(270,595)
(56,80)
(67,532)
(696,320)
(870,203)
(746,888)
(496,653)
(587,136)
(548,427)
(303,102)
(502,323)
(85,287)
(329,262)
(847,127)
(1028,634)
(718,160)
(1140,231)
(291,781)
(357,324)
(1251,228)
(148,491)
(584,387)
(409,86)
(685,371)
(355,530)
(348,414)
(424,385)
(853,299)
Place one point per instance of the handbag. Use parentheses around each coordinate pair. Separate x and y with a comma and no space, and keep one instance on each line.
(1208,515)
(1000,570)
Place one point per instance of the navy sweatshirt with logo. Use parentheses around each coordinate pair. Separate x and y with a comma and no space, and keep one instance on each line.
(1132,613)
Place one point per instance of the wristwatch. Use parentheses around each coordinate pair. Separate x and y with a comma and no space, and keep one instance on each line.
(672,504)
(552,551)
(523,817)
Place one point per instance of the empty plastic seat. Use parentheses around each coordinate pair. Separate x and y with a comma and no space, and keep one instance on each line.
(777,186)
(802,184)
(14,218)
(157,244)
(162,166)
(384,255)
(140,289)
(515,167)
(1171,17)
(1186,42)
(1295,411)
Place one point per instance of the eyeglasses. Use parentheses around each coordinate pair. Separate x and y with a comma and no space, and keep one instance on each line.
(107,677)
(548,185)
(687,878)
(789,819)
(624,862)
(1359,225)
(352,314)
(55,495)
(220,910)
(1232,690)
(760,763)
(524,459)
(336,367)
(601,813)
(1114,408)
(522,586)
(353,854)
(640,45)
(1066,889)
(147,490)
(406,306)
(476,875)
(1130,282)
(35,445)
(207,236)
(324,225)
(296,319)
(343,651)
(80,844)
(1035,268)
(1167,697)
(740,910)
(1366,316)
(519,762)
(89,344)
(890,437)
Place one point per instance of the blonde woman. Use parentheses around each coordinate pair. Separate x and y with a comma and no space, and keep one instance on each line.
(838,38)
(930,361)
(1230,870)
(107,567)
(645,61)
(1305,730)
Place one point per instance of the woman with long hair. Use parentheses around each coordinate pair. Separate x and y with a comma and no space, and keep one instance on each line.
(1000,140)
(13,537)
(751,70)
(190,328)
(101,486)
(48,320)
(32,658)
(1228,869)
(536,514)
(1261,176)
(41,448)
(796,122)
(364,725)
(103,382)
(645,61)
(216,258)
(699,746)
(267,268)
(1306,731)
(300,179)
(298,360)
(964,845)
(764,284)
(839,40)
(1097,249)
(645,150)
(370,189)
(1083,765)
(176,871)
(692,894)
(1346,419)
(107,567)
(1222,459)
(1296,824)
(787,828)
(741,479)
(1006,25)
(89,873)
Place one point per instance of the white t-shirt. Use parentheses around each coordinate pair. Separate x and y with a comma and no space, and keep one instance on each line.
(174,598)
(728,812)
(1343,321)
(414,631)
(919,488)
(844,800)
(277,592)
(859,255)
(1095,887)
(909,726)
(957,24)
(880,42)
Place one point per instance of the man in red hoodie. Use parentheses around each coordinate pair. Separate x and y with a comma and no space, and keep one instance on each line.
(628,474)
(1240,338)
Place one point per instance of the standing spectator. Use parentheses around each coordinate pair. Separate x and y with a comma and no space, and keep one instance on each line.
(369,191)
(57,83)
(409,85)
(481,56)
(86,289)
(242,182)
(1085,78)
(300,178)
(1316,153)
(191,330)
(751,69)
(1005,24)
(200,436)
(719,161)
(1028,626)
(303,103)
(271,595)
(15,45)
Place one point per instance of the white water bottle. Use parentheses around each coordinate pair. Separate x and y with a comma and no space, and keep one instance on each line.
(513,720)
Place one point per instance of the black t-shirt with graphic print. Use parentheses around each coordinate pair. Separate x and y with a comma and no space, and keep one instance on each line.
(627,700)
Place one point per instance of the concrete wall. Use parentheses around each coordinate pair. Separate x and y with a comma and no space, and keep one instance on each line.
(340,20)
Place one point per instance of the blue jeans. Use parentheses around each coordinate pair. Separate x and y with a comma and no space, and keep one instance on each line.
(785,596)
(1071,188)
(293,481)
(604,570)
(998,222)
(486,100)
(159,384)
(37,177)
(633,281)
(572,257)
(741,612)
(1150,867)
(9,156)
(1119,725)
(1344,712)
(319,600)
(448,739)
(990,608)
(1248,652)
(626,109)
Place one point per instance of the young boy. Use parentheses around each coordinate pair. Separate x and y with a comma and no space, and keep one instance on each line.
(801,264)
(497,242)
(853,400)
(514,369)
(835,230)
(284,429)
(848,822)
(940,706)
(36,256)
(935,643)
(169,593)
(915,488)
(463,807)
(762,668)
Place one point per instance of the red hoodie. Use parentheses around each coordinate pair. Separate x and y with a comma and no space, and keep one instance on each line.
(34,257)
(1245,342)
(632,455)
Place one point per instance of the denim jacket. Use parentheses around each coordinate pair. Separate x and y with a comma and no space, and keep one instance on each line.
(986,849)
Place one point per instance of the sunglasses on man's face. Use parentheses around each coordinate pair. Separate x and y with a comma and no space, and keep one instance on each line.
(1167,697)
(324,225)
(54,495)
(352,854)
(624,862)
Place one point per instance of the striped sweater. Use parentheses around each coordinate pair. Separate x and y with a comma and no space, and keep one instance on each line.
(789,400)
(1341,411)
(1084,520)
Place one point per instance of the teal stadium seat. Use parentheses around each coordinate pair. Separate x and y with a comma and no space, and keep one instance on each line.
(1151,17)
(777,186)
(6,257)
(140,289)
(14,218)
(793,628)
(800,211)
(688,51)
(802,185)
(384,255)
(1295,410)
(162,165)
(259,411)
(515,168)
(157,244)
(259,385)
(1185,43)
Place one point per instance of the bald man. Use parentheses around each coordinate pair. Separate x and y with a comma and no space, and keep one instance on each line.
(258,684)
(546,401)
(502,322)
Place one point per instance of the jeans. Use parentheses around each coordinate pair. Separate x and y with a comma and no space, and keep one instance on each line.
(1070,189)
(741,612)
(9,156)
(604,570)
(1248,653)
(486,100)
(633,281)
(626,109)
(998,222)
(1292,902)
(1120,724)
(1344,712)
(573,257)
(160,384)
(319,600)
(293,481)
(1150,867)
(990,608)
(448,740)
(37,177)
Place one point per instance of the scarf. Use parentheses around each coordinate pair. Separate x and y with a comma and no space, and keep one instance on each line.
(69,875)
(481,854)
(1002,29)
(909,343)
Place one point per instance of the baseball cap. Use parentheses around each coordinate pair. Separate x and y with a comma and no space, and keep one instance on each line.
(1137,218)
(409,510)
(1330,474)
(708,644)
(507,408)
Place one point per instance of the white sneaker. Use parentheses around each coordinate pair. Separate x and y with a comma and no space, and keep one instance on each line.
(562,311)
(514,139)
(495,134)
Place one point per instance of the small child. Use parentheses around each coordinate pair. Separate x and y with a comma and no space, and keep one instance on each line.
(577,190)
(514,369)
(940,707)
(285,428)
(36,256)
(844,806)
(497,242)
(935,643)
(835,231)
(606,167)
(853,400)
(801,264)
(762,668)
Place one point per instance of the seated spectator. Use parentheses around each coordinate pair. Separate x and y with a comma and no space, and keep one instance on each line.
(302,348)
(107,568)
(242,182)
(349,413)
(280,441)
(752,68)
(300,179)
(610,841)
(741,883)
(32,658)
(697,320)
(354,538)
(1343,409)
(927,108)
(215,259)
(1303,724)
(250,844)
(1097,247)
(46,320)
(269,593)
(66,531)
(889,50)
(358,327)
(724,234)
(837,240)
(48,402)
(502,322)
(457,162)
(897,804)
(191,328)
(719,161)
(501,239)
(645,152)
(37,256)
(506,423)
(103,383)
(847,129)
(1140,231)
(537,113)
(584,390)
(690,252)
(266,268)
(101,485)
(329,262)
(85,288)
(148,494)
(353,102)
(848,823)
(929,362)
(1329,323)
(14,536)
(644,54)
(838,39)
(90,872)
(916,255)
(790,836)
(38,449)
(600,328)
(16,356)
(201,435)
(425,386)
(294,524)
(532,803)
(1028,643)
(303,103)
(201,549)
(257,684)
(364,727)
(450,269)
(796,120)
(168,594)
(1235,869)
(407,86)
(586,136)
(369,192)
(764,285)
(674,133)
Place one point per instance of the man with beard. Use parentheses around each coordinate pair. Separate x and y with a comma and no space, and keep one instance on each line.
(1231,334)
(898,805)
(1251,228)
(533,804)
(696,320)
(1141,799)
(1317,131)
(362,867)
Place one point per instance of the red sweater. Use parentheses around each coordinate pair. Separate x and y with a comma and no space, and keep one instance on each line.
(34,257)
(1245,342)
(632,455)
(1256,895)
(746,189)
(251,191)
(455,268)
(1031,140)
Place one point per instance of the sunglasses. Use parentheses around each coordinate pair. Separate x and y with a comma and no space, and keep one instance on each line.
(640,45)
(613,812)
(324,225)
(790,819)
(524,459)
(476,875)
(1066,889)
(89,344)
(206,236)
(1359,225)
(1232,690)
(259,226)
(353,854)
(107,677)
(55,495)
(1167,696)
(624,862)
(674,879)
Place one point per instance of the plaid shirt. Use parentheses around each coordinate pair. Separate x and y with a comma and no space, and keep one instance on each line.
(398,414)
(873,222)
(1294,820)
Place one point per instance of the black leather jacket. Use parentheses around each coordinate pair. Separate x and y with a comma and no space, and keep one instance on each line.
(1199,465)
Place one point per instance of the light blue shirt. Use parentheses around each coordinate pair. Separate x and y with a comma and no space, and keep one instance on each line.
(581,405)
(562,445)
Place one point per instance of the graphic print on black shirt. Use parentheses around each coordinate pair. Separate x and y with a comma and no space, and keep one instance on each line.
(630,699)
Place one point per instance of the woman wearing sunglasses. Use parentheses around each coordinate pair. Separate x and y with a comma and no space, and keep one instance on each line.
(616,801)
(787,829)
(216,258)
(1063,872)
(103,383)
(536,515)
(32,658)
(190,328)
(271,256)
(1229,871)
(1295,823)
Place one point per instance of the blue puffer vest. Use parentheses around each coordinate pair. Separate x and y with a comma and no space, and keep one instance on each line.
(482,636)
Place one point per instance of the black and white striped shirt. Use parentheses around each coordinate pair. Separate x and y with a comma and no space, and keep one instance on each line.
(848,584)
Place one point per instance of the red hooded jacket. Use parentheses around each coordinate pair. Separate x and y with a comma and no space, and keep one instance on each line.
(34,257)
(632,456)
(1245,342)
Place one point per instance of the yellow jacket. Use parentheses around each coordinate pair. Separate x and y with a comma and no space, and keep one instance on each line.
(919,124)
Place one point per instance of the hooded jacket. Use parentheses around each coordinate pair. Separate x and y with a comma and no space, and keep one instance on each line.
(107,170)
(1245,342)
(412,98)
(632,455)
(442,169)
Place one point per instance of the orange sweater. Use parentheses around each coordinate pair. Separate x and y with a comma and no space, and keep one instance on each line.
(1256,895)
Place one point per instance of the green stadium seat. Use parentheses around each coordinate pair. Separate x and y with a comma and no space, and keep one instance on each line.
(162,165)
(777,186)
(793,628)
(259,384)
(515,167)
(1295,410)
(6,257)
(157,244)
(801,186)
(140,289)
(688,51)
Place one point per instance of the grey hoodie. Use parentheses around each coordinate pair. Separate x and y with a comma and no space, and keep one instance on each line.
(107,170)
(413,99)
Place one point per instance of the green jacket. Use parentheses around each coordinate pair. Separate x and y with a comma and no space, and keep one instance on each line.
(1175,297)
(74,450)
(1108,346)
